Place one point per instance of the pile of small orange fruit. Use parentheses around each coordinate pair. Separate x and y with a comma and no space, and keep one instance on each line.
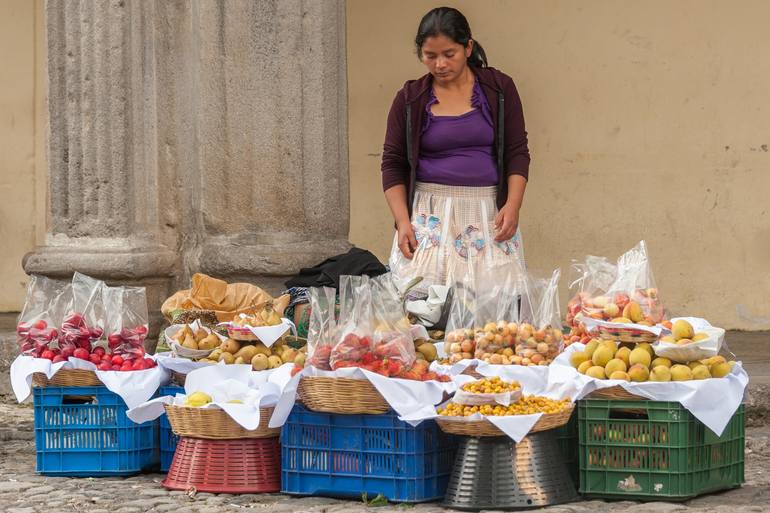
(527,405)
(493,385)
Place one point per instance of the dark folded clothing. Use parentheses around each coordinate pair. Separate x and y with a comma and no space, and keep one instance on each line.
(355,262)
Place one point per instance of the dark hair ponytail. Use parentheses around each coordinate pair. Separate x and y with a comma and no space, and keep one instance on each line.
(451,23)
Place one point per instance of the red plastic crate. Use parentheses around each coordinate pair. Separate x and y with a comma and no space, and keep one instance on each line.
(226,466)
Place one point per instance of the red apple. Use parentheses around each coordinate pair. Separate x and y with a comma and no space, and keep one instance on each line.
(47,354)
(80,353)
(59,358)
(117,360)
(95,358)
(40,324)
(104,366)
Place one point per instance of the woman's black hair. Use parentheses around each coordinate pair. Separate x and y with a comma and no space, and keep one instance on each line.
(451,23)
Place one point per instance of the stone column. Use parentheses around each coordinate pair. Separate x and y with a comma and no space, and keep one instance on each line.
(195,135)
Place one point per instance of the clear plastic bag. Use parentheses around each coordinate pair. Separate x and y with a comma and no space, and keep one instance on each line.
(35,330)
(322,327)
(354,334)
(497,310)
(391,329)
(539,338)
(625,292)
(83,320)
(126,316)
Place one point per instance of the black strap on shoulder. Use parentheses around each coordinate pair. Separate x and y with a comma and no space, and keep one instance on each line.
(409,136)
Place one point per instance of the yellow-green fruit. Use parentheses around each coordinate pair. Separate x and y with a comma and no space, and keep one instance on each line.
(602,355)
(230,346)
(234,401)
(660,373)
(209,342)
(647,347)
(682,329)
(259,362)
(610,344)
(700,372)
(611,310)
(262,349)
(638,372)
(623,354)
(720,370)
(668,338)
(713,360)
(583,367)
(189,343)
(215,354)
(620,375)
(700,336)
(273,362)
(197,399)
(577,358)
(622,320)
(660,361)
(239,360)
(247,352)
(596,372)
(288,355)
(640,356)
(591,347)
(300,359)
(680,373)
(694,364)
(228,358)
(615,365)
(428,350)
(633,311)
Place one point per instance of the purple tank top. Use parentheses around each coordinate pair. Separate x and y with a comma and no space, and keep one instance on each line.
(457,150)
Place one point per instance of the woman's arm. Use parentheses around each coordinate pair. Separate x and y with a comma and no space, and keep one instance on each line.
(507,219)
(396,198)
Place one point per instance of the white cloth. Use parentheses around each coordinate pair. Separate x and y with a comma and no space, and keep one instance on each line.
(134,387)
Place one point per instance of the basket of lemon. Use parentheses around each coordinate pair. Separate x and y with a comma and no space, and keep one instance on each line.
(192,420)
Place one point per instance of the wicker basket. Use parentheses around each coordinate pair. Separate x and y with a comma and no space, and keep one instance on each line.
(616,392)
(67,378)
(630,336)
(215,424)
(341,395)
(483,427)
(241,334)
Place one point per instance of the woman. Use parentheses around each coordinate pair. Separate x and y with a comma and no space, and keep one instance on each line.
(455,160)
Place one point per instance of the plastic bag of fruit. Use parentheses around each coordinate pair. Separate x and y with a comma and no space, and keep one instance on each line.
(630,298)
(35,329)
(391,330)
(592,278)
(126,317)
(497,310)
(83,320)
(353,338)
(322,327)
(539,335)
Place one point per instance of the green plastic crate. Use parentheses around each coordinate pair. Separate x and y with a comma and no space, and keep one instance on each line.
(651,450)
(567,437)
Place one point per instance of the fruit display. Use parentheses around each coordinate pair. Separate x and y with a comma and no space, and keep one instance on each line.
(491,385)
(75,333)
(604,359)
(264,315)
(99,356)
(682,334)
(425,350)
(527,405)
(505,343)
(259,356)
(35,338)
(200,339)
(128,342)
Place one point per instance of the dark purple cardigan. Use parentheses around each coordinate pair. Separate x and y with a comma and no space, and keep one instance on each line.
(399,168)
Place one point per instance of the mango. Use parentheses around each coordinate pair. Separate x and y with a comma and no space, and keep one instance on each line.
(640,356)
(638,372)
(615,365)
(602,355)
(578,357)
(596,372)
(680,373)
(660,373)
(620,375)
(583,367)
(720,370)
(682,329)
(623,353)
(633,311)
(701,372)
(700,336)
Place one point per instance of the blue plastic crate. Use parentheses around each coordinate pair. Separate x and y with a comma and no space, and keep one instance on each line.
(168,439)
(84,432)
(347,455)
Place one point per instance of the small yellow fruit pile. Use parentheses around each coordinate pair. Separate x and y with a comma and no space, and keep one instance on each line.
(527,405)
(493,385)
(682,333)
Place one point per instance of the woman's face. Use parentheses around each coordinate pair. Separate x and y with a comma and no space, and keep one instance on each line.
(444,58)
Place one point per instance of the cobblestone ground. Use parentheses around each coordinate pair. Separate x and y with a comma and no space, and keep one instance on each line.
(23,491)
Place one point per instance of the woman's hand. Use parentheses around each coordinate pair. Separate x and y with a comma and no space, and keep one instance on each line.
(407,242)
(506,222)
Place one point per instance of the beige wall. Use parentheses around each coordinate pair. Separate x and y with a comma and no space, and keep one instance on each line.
(646,120)
(22,142)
